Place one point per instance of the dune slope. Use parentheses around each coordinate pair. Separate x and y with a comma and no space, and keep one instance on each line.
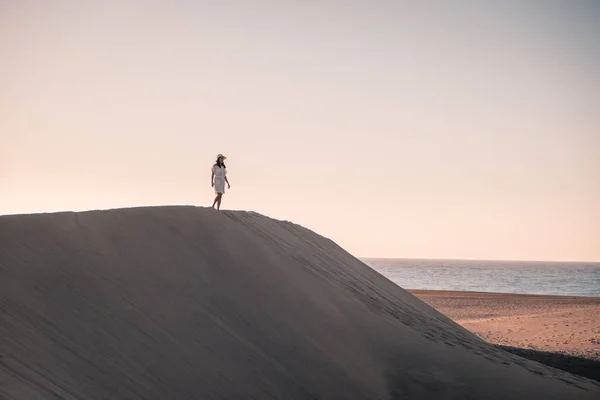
(191,303)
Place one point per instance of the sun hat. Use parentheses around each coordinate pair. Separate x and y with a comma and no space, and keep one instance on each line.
(220,155)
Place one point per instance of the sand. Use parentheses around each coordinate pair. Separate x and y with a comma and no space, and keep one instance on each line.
(565,325)
(192,303)
(569,325)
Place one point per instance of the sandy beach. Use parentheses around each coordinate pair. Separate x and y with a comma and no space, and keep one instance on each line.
(554,324)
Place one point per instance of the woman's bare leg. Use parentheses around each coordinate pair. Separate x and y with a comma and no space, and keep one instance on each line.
(219,196)
(216,199)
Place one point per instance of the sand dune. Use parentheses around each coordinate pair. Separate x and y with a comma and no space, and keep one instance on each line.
(190,303)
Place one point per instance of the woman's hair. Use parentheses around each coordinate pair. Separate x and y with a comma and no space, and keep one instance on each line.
(220,163)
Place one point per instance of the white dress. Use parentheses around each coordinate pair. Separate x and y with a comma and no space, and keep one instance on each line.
(220,173)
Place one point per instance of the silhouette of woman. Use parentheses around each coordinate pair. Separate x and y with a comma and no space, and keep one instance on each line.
(218,179)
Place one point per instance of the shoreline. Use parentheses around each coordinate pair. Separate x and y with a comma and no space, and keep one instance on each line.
(467,293)
(560,331)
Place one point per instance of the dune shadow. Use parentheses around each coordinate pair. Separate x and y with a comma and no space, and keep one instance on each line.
(576,365)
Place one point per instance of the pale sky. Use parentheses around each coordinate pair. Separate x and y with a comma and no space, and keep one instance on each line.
(456,129)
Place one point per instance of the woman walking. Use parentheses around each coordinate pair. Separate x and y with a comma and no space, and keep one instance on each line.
(218,179)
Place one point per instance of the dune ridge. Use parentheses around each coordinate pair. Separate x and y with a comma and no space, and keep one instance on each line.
(183,302)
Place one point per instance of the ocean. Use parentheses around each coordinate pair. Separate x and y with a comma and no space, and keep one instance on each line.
(526,277)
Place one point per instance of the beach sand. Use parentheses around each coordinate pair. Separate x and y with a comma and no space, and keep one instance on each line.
(554,324)
(192,303)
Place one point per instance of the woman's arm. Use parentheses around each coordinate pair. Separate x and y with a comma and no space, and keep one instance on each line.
(212,178)
(228,185)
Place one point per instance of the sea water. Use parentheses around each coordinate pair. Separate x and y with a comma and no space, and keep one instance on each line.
(528,277)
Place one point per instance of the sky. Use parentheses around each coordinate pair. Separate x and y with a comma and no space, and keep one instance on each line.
(451,129)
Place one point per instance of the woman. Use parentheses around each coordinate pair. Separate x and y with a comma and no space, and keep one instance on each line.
(218,179)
